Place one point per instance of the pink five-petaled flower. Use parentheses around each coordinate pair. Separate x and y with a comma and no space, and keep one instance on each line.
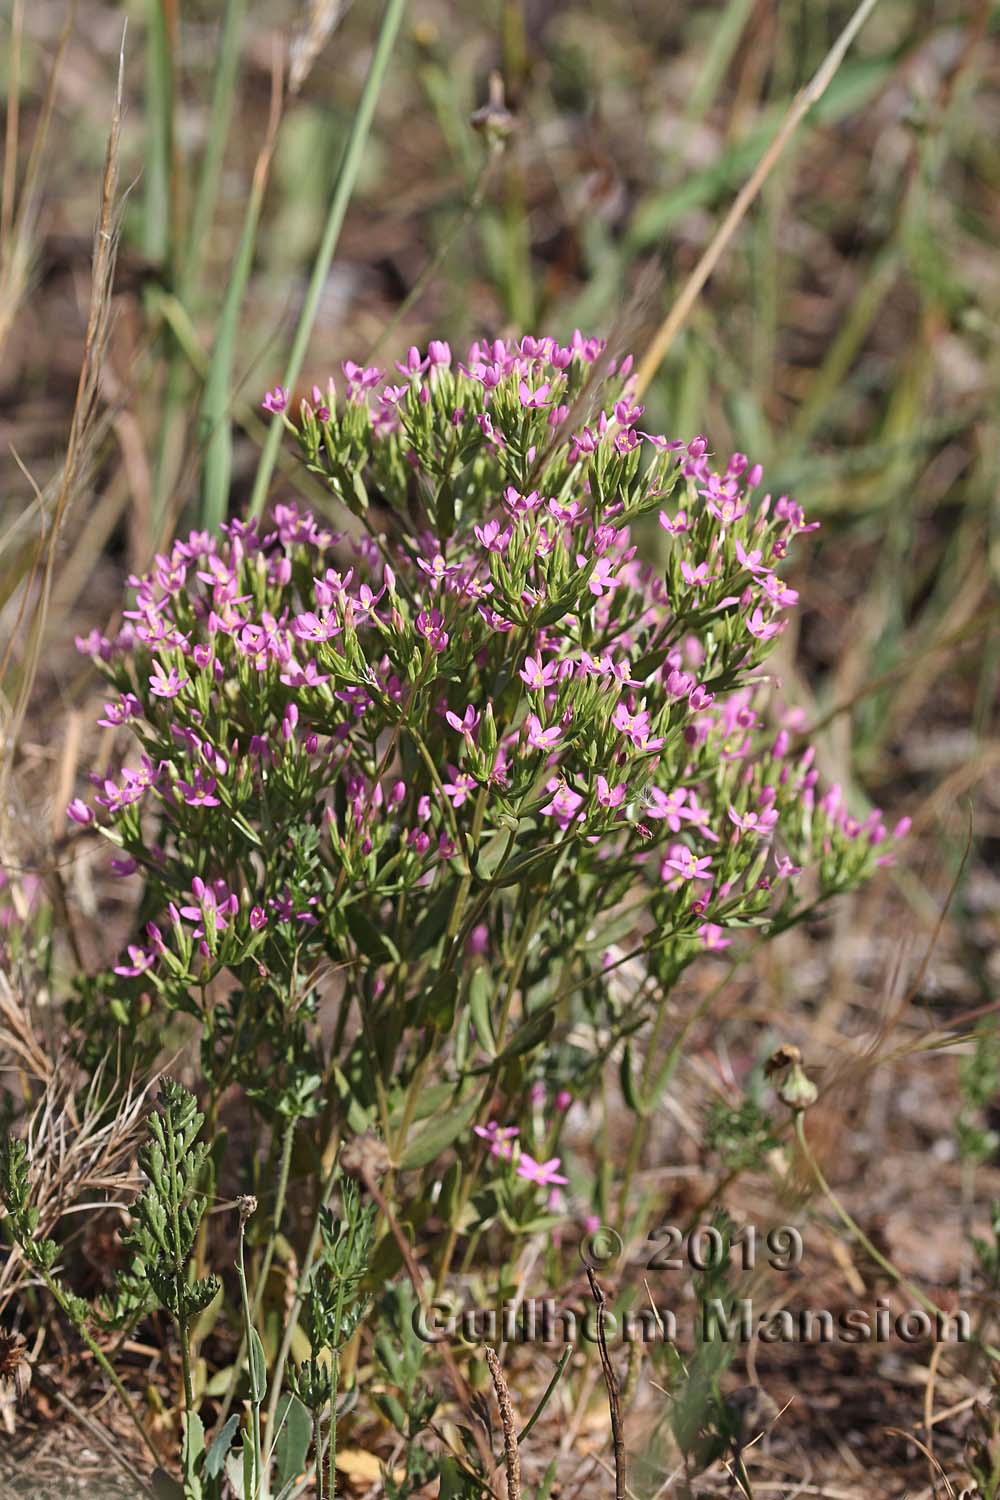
(459,789)
(199,791)
(141,960)
(429,625)
(542,1173)
(750,560)
(118,713)
(533,400)
(610,796)
(275,401)
(678,525)
(467,725)
(499,1138)
(761,824)
(162,686)
(780,595)
(491,537)
(542,739)
(602,577)
(697,578)
(684,864)
(312,627)
(565,804)
(711,937)
(764,630)
(536,675)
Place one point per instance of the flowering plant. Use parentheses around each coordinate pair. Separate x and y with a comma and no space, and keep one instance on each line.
(446,771)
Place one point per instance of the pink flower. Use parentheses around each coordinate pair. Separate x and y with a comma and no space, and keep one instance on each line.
(763,629)
(167,686)
(678,525)
(536,675)
(429,625)
(602,577)
(565,804)
(312,627)
(142,959)
(542,739)
(542,1173)
(199,791)
(275,401)
(499,1138)
(684,864)
(750,560)
(118,713)
(467,725)
(563,1100)
(697,578)
(533,400)
(711,937)
(491,537)
(80,812)
(459,789)
(609,796)
(780,595)
(761,823)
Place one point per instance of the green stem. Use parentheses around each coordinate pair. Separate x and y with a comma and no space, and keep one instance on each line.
(258,1297)
(278,1373)
(284,1169)
(258,1466)
(56,1292)
(346,180)
(850,1224)
(331,1487)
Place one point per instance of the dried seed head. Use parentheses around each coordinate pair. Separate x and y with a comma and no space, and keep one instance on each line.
(247,1207)
(494,119)
(796,1089)
(15,1370)
(365,1156)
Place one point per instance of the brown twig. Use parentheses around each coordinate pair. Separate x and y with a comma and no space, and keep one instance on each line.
(611,1381)
(511,1453)
(458,1382)
(800,107)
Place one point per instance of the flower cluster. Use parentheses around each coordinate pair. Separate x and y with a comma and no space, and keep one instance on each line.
(461,747)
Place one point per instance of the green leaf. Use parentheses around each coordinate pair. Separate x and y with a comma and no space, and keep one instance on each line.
(438,1135)
(534,1030)
(219,1447)
(294,1436)
(258,1368)
(479,1005)
(439,1001)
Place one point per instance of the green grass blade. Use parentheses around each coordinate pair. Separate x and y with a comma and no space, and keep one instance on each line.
(346,179)
(223,100)
(157,235)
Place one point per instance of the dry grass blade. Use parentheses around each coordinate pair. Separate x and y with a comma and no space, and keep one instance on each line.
(82,427)
(77,1149)
(15,229)
(800,107)
(323,17)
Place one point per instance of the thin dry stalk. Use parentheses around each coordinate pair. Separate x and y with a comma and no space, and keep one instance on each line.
(800,107)
(322,19)
(511,1452)
(82,426)
(15,254)
(611,1381)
